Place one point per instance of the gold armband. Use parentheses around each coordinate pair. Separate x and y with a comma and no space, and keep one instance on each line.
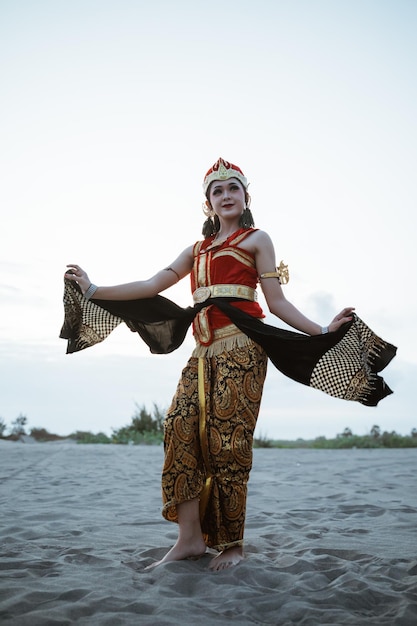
(281,273)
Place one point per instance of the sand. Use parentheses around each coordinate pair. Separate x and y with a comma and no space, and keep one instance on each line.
(331,538)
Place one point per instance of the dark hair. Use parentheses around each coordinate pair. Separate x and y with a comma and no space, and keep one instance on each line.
(212,224)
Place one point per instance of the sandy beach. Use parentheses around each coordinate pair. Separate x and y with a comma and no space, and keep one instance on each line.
(331,538)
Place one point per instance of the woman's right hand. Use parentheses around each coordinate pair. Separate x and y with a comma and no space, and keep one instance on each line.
(77,274)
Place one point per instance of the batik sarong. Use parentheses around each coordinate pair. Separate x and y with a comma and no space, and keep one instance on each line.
(208,440)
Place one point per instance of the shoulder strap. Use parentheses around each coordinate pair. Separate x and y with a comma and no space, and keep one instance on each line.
(241,236)
(197,247)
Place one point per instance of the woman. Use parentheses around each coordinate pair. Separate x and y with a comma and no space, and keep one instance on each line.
(209,426)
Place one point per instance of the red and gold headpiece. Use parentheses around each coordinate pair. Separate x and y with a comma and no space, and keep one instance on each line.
(222,170)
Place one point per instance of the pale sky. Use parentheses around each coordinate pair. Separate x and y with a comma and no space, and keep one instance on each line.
(112,112)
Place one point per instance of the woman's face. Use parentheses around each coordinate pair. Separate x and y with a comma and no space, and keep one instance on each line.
(227,198)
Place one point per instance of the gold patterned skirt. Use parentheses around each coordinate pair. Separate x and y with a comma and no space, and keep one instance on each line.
(208,440)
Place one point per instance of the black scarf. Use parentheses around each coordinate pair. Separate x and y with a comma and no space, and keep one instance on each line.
(344,364)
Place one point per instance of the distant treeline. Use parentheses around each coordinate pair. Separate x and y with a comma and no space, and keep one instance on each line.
(374,439)
(147,428)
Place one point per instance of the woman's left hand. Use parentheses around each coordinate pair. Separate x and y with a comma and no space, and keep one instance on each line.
(341,318)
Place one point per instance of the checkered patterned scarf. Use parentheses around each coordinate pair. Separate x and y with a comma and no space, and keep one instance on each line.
(344,364)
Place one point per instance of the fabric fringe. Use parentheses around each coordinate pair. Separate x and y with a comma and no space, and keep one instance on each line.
(86,323)
(222,344)
(349,369)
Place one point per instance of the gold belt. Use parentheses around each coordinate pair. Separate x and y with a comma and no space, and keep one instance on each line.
(224,291)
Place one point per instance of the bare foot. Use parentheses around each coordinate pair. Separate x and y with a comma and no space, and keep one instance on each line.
(227,558)
(181,551)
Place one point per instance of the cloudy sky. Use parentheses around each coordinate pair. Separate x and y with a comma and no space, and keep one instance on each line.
(111,113)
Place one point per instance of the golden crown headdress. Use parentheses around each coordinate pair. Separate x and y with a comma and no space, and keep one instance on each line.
(222,170)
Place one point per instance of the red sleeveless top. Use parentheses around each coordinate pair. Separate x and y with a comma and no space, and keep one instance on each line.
(222,264)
